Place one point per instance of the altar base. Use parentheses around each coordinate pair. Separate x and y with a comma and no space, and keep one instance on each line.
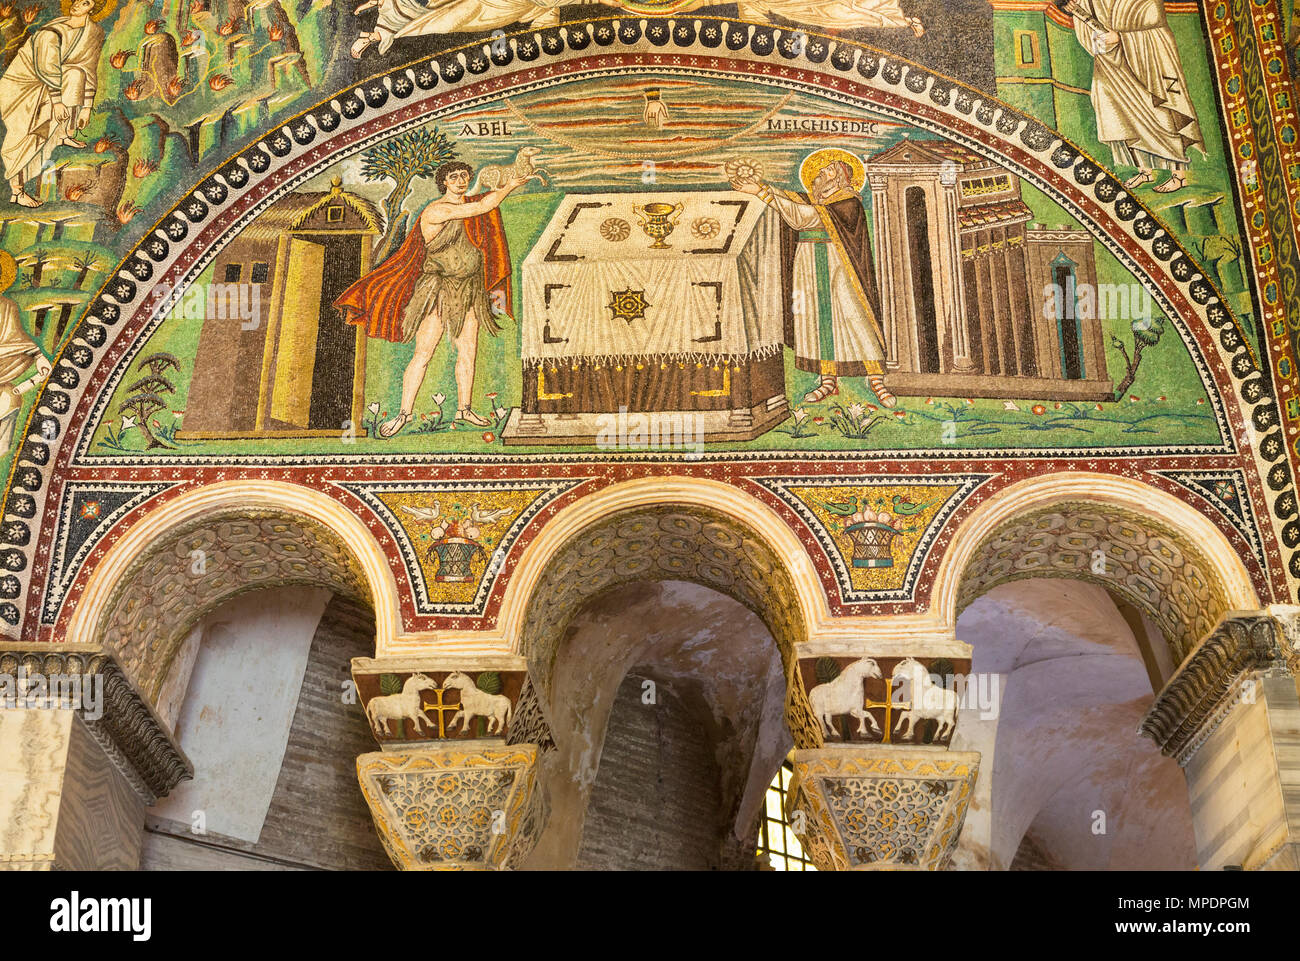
(674,431)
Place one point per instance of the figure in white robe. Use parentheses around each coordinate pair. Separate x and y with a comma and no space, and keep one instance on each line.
(410,18)
(46,94)
(1140,95)
(851,14)
(833,313)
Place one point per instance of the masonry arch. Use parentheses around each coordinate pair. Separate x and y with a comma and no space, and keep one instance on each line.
(1155,551)
(671,529)
(595,560)
(1085,593)
(200,549)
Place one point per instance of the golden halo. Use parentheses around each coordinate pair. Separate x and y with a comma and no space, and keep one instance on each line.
(8,270)
(98,12)
(816,162)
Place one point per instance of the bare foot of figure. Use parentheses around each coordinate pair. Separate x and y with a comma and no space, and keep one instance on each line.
(1142,178)
(1177,181)
(917,26)
(71,142)
(366,6)
(468,416)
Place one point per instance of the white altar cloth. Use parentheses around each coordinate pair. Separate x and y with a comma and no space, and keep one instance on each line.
(714,292)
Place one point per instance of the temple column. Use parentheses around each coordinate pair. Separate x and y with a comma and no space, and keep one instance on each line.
(950,266)
(875,784)
(81,755)
(886,266)
(446,794)
(1230,716)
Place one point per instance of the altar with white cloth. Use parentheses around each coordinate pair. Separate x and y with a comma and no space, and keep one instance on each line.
(662,302)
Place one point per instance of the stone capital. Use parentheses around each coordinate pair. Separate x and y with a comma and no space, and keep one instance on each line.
(417,700)
(880,807)
(1208,684)
(90,682)
(884,691)
(449,807)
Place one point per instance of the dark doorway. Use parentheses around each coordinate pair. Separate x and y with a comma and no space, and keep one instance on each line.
(918,241)
(336,341)
(1067,322)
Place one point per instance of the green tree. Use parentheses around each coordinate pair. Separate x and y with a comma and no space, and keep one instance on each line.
(1146,333)
(83,265)
(403,160)
(144,406)
(38,260)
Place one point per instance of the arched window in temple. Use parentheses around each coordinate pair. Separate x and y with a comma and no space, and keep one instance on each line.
(1066,281)
(927,322)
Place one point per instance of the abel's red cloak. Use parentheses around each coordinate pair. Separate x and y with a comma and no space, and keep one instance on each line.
(378,300)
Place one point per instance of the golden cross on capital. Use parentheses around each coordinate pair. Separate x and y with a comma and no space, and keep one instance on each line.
(889,704)
(441,708)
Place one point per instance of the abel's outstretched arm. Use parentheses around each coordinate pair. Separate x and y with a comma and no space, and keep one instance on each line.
(441,213)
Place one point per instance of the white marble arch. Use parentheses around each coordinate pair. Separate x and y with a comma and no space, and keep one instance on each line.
(292,499)
(1103,489)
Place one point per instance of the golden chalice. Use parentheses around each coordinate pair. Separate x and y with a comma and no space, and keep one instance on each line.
(658,221)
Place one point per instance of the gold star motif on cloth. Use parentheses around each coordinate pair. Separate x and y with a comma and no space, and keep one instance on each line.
(628,304)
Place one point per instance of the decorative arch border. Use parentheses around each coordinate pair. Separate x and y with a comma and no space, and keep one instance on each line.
(88,618)
(679,493)
(375,108)
(1039,493)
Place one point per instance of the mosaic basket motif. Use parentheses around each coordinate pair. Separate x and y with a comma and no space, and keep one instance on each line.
(873,544)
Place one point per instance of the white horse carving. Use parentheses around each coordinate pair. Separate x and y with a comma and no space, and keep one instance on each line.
(475,703)
(928,699)
(405,705)
(845,695)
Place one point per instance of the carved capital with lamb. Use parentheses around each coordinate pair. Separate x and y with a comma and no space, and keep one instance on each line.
(454,786)
(413,701)
(879,693)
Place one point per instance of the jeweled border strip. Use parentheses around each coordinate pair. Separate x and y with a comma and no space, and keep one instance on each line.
(1246,524)
(66,569)
(1269,581)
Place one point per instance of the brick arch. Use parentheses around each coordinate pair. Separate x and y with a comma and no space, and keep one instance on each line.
(1135,556)
(203,564)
